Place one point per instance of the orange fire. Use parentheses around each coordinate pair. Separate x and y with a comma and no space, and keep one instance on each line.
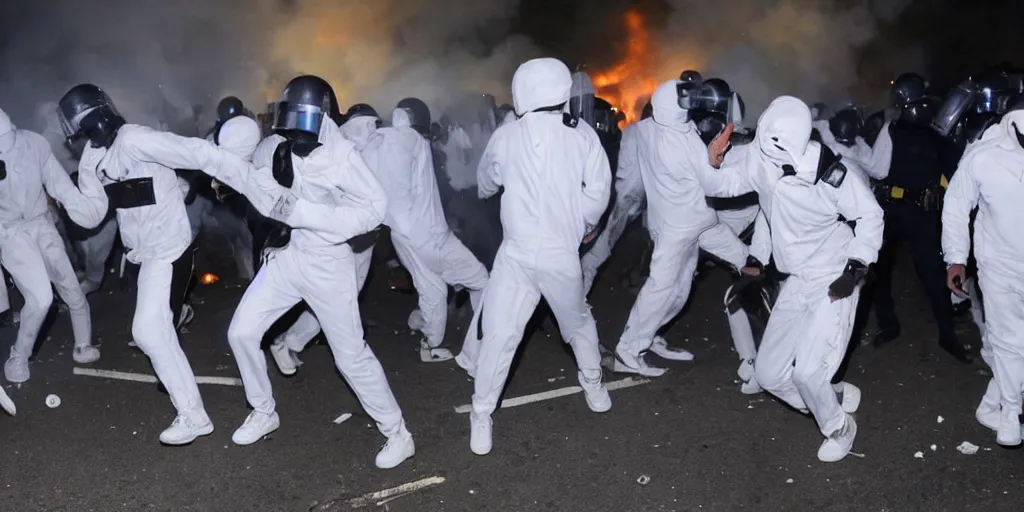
(209,278)
(631,80)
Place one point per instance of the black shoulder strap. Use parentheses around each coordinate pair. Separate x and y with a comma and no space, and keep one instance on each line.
(831,169)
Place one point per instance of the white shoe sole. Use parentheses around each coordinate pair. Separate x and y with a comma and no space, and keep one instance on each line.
(276,424)
(435,355)
(646,371)
(677,354)
(7,404)
(205,431)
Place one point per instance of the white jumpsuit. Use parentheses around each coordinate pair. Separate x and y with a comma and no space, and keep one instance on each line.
(557,183)
(991,177)
(807,333)
(672,157)
(401,160)
(316,266)
(31,248)
(872,160)
(629,201)
(155,236)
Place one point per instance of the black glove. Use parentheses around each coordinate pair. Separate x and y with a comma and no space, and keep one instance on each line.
(843,287)
(284,173)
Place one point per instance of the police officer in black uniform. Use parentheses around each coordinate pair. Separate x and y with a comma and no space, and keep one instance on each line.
(922,163)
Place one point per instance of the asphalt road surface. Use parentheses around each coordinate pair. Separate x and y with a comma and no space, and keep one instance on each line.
(686,441)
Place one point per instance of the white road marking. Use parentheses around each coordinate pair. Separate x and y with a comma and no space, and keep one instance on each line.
(381,497)
(142,377)
(628,382)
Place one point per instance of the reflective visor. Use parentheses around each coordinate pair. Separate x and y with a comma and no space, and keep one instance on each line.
(291,116)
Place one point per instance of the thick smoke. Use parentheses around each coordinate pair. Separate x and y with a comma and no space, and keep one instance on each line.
(168,63)
(807,48)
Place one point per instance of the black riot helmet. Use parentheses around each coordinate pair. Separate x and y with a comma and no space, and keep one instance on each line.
(920,111)
(993,91)
(228,108)
(419,114)
(846,125)
(605,117)
(361,110)
(873,126)
(715,95)
(688,88)
(306,101)
(87,111)
(906,88)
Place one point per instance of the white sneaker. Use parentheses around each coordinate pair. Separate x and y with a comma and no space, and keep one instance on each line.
(184,429)
(16,369)
(255,426)
(398,448)
(597,396)
(416,322)
(849,396)
(750,387)
(430,354)
(1009,433)
(746,370)
(6,403)
(86,354)
(628,363)
(839,444)
(661,348)
(466,364)
(283,358)
(989,417)
(480,433)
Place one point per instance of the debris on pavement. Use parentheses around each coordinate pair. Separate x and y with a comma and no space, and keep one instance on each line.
(52,401)
(343,418)
(643,480)
(967,448)
(919,455)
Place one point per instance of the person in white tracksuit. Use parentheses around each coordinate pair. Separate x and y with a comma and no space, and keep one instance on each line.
(132,161)
(317,164)
(31,248)
(991,177)
(680,222)
(557,183)
(400,157)
(361,121)
(629,199)
(803,188)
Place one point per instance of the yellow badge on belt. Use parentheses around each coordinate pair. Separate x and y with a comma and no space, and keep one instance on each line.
(944,183)
(897,193)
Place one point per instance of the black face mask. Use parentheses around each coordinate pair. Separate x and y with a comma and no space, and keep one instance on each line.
(1020,136)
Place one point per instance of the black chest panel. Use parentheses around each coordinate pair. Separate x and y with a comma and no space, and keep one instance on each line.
(132,193)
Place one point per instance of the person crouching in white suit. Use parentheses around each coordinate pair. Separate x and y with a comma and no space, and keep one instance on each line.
(31,248)
(400,157)
(557,183)
(314,167)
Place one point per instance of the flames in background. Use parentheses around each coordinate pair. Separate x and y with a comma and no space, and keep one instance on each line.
(628,85)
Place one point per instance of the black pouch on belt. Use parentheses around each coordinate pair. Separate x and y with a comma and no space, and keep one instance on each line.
(133,193)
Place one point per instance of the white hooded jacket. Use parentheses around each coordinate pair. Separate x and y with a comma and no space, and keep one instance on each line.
(671,155)
(990,177)
(628,180)
(873,160)
(402,161)
(802,209)
(556,177)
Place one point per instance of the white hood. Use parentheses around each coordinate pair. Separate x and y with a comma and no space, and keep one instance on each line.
(784,131)
(665,102)
(400,118)
(1015,117)
(240,136)
(540,83)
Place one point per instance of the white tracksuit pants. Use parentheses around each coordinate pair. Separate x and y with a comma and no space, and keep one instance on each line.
(327,282)
(153,331)
(306,327)
(521,276)
(626,210)
(433,266)
(96,249)
(1004,335)
(667,287)
(803,346)
(34,254)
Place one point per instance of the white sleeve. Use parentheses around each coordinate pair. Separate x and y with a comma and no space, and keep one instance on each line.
(961,197)
(857,203)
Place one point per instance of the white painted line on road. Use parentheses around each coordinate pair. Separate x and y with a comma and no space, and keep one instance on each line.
(142,377)
(628,382)
(380,497)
